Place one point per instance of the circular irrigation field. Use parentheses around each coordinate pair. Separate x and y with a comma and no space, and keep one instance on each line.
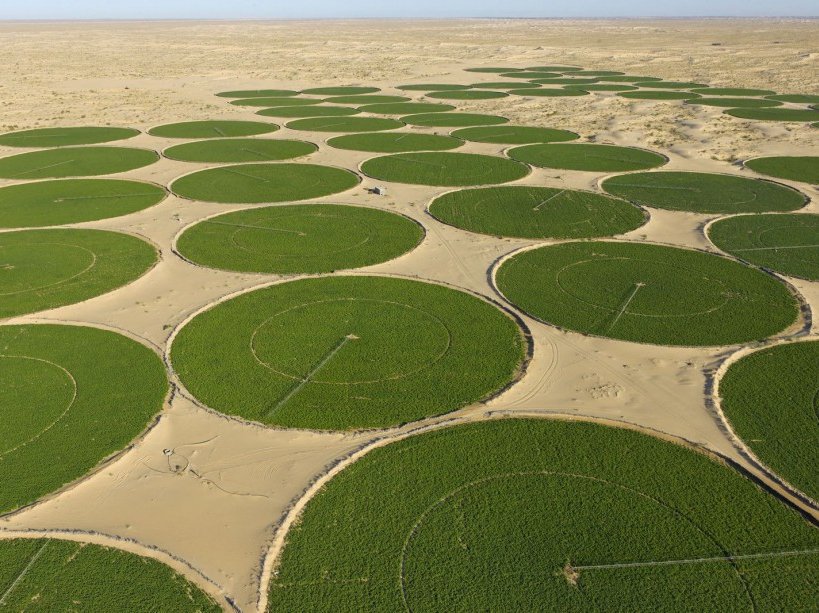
(212,129)
(406,108)
(787,244)
(792,168)
(583,156)
(647,293)
(658,95)
(444,169)
(367,99)
(303,238)
(240,150)
(771,399)
(309,111)
(258,93)
(70,396)
(45,269)
(549,93)
(345,124)
(748,103)
(775,114)
(276,102)
(394,142)
(703,192)
(340,353)
(254,183)
(467,94)
(55,575)
(53,203)
(536,515)
(75,162)
(536,212)
(340,91)
(514,135)
(62,137)
(453,120)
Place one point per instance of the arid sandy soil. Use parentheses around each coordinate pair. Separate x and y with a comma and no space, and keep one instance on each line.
(215,505)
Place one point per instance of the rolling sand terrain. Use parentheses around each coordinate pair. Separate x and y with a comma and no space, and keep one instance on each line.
(210,494)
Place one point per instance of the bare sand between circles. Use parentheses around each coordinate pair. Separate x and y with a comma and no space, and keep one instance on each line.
(215,502)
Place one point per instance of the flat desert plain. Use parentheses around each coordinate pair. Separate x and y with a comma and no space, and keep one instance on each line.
(214,496)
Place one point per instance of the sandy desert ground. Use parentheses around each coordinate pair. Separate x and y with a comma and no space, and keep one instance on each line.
(219,523)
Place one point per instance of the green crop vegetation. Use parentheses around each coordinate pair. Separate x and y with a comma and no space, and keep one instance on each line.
(535,515)
(560,69)
(304,238)
(647,293)
(239,150)
(787,244)
(514,135)
(503,85)
(75,162)
(536,212)
(213,129)
(566,81)
(583,156)
(62,137)
(771,398)
(340,91)
(367,99)
(777,114)
(671,85)
(735,103)
(796,98)
(793,168)
(345,124)
(532,74)
(258,93)
(406,108)
(72,396)
(629,79)
(394,142)
(432,87)
(599,73)
(54,203)
(341,353)
(276,101)
(54,575)
(252,183)
(658,95)
(467,94)
(733,91)
(309,111)
(603,87)
(445,169)
(704,192)
(549,93)
(45,269)
(453,120)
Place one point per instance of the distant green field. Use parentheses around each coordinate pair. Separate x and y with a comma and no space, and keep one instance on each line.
(788,244)
(549,93)
(658,95)
(603,87)
(589,157)
(394,142)
(277,101)
(777,114)
(504,85)
(406,108)
(239,150)
(345,124)
(258,93)
(771,398)
(54,203)
(647,293)
(303,238)
(444,169)
(54,575)
(340,353)
(72,396)
(794,168)
(75,162)
(213,129)
(453,120)
(252,183)
(671,85)
(45,269)
(599,73)
(340,91)
(536,515)
(704,192)
(467,94)
(309,111)
(735,103)
(629,79)
(560,69)
(431,87)
(367,99)
(797,98)
(514,135)
(566,81)
(62,137)
(532,74)
(536,212)
(733,91)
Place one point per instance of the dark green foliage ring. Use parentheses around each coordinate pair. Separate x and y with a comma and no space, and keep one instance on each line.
(347,352)
(444,169)
(63,137)
(647,293)
(586,156)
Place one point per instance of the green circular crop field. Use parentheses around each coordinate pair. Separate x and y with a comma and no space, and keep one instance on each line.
(345,124)
(453,120)
(239,150)
(703,192)
(54,203)
(658,95)
(212,129)
(646,81)
(432,87)
(309,111)
(258,93)
(504,85)
(62,137)
(406,108)
(599,73)
(796,98)
(367,99)
(793,168)
(647,293)
(603,87)
(467,94)
(588,157)
(560,69)
(45,269)
(302,238)
(733,91)
(277,102)
(444,169)
(734,103)
(771,399)
(776,114)
(56,575)
(565,81)
(671,85)
(340,91)
(75,162)
(532,74)
(514,135)
(787,244)
(536,212)
(394,142)
(253,183)
(70,396)
(340,353)
(549,93)
(543,515)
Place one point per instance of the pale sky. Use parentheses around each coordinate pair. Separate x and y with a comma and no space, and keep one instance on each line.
(272,9)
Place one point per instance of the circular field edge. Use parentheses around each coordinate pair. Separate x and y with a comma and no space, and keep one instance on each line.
(772,178)
(611,172)
(163,155)
(529,169)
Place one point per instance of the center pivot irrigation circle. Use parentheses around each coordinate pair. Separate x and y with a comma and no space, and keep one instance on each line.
(647,293)
(347,352)
(74,162)
(63,137)
(444,169)
(240,150)
(304,238)
(253,183)
(212,129)
(584,156)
